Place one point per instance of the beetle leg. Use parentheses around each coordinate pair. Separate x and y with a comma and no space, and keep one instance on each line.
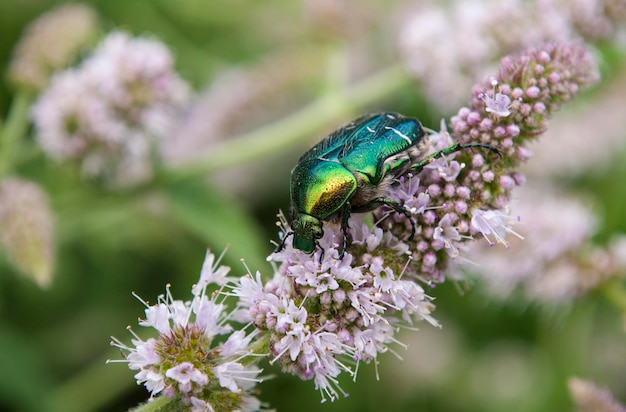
(345,216)
(281,245)
(417,167)
(317,245)
(392,203)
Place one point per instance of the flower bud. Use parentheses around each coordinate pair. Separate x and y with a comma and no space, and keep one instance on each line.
(26,231)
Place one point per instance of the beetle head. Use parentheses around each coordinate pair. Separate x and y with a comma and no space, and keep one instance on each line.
(306,230)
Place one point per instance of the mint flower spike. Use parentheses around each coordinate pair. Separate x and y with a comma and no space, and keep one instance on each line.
(184,362)
(323,317)
(538,82)
(466,195)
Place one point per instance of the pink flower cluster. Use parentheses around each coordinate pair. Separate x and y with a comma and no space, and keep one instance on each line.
(323,316)
(109,112)
(467,194)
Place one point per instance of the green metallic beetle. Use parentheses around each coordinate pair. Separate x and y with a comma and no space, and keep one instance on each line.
(349,171)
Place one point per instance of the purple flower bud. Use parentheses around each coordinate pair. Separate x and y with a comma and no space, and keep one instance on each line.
(449,190)
(488,176)
(477,160)
(474,118)
(429,217)
(499,131)
(463,192)
(473,175)
(517,93)
(422,246)
(554,78)
(533,92)
(543,57)
(430,259)
(434,190)
(506,182)
(519,178)
(460,207)
(512,130)
(486,124)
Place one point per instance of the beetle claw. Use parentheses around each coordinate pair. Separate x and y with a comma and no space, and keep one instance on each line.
(342,253)
(412,235)
(317,244)
(345,245)
(282,243)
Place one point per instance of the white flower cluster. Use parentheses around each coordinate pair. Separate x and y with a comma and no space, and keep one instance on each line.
(109,111)
(323,315)
(184,361)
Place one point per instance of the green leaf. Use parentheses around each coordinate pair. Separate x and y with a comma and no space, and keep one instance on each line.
(219,221)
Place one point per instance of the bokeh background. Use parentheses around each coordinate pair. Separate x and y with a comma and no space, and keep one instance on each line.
(250,65)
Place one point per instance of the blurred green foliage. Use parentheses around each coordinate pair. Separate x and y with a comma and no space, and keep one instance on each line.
(511,356)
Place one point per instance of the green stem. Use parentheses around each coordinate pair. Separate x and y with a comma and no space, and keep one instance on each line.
(155,405)
(14,130)
(299,125)
(615,293)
